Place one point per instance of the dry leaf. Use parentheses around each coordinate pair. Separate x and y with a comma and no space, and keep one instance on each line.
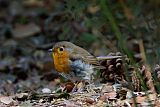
(6,100)
(146,73)
(107,88)
(21,96)
(152,97)
(69,87)
(111,95)
(89,100)
(157,103)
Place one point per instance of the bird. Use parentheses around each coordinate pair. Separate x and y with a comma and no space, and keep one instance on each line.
(75,63)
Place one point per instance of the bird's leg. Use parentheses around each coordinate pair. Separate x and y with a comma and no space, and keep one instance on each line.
(90,87)
(79,87)
(74,88)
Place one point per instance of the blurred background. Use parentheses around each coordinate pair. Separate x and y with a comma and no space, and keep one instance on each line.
(28,28)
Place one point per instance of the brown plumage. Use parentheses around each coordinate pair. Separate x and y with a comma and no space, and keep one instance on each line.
(73,61)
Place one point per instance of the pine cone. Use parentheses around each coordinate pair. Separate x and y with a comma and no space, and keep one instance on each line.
(157,72)
(146,77)
(135,81)
(116,72)
(114,68)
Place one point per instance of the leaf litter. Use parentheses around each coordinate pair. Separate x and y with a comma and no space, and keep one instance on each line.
(29,28)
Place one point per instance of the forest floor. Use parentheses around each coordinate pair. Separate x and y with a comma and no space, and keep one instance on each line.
(29,28)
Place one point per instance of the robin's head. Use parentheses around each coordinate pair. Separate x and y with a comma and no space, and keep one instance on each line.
(61,52)
(62,47)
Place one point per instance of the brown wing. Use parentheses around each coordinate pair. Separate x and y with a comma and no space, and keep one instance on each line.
(93,60)
(86,57)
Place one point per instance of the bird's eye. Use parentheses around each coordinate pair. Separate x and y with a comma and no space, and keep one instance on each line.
(61,49)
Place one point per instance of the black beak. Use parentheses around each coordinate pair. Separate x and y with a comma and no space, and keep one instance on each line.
(50,50)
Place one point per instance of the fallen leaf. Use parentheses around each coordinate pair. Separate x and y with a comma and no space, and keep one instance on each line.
(21,96)
(107,88)
(111,95)
(157,103)
(89,100)
(152,97)
(102,98)
(140,99)
(6,100)
(69,87)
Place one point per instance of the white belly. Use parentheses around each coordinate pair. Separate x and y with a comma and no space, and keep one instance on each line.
(80,71)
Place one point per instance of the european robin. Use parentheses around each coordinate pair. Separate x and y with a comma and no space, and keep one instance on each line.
(74,62)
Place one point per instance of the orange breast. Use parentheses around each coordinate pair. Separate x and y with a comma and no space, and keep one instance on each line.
(61,62)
